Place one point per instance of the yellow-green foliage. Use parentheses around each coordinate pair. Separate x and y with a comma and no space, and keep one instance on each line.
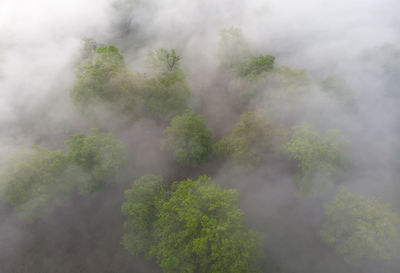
(251,138)
(195,227)
(189,139)
(254,66)
(200,229)
(361,229)
(233,47)
(320,159)
(103,78)
(37,180)
(100,156)
(288,83)
(140,210)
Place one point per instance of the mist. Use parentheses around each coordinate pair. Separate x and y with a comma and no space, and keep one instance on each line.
(354,44)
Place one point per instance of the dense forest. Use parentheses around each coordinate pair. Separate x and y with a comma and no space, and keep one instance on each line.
(168,136)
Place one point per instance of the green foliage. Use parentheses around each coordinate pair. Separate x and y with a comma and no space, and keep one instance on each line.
(166,96)
(140,210)
(233,47)
(164,61)
(100,156)
(200,229)
(361,229)
(289,83)
(195,227)
(254,66)
(103,78)
(109,55)
(125,91)
(320,160)
(93,75)
(189,139)
(36,181)
(251,138)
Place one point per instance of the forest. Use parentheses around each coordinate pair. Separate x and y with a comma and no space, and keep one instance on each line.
(199,137)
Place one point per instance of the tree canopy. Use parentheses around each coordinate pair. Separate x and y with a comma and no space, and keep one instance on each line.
(198,226)
(103,78)
(361,229)
(189,139)
(254,66)
(233,47)
(140,210)
(100,156)
(37,180)
(251,138)
(320,159)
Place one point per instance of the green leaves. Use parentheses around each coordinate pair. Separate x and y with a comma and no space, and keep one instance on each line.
(140,210)
(104,79)
(165,96)
(360,229)
(164,61)
(189,139)
(99,155)
(251,138)
(233,47)
(320,160)
(38,180)
(93,76)
(254,66)
(198,226)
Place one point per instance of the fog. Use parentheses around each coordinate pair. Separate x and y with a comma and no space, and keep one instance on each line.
(356,42)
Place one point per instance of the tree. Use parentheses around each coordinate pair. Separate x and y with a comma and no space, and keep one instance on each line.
(166,95)
(200,229)
(361,229)
(100,156)
(289,83)
(251,138)
(194,227)
(104,79)
(37,180)
(164,61)
(233,47)
(140,210)
(189,139)
(254,66)
(93,75)
(320,160)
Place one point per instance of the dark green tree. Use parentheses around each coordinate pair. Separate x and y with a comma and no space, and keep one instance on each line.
(140,210)
(189,139)
(194,227)
(200,229)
